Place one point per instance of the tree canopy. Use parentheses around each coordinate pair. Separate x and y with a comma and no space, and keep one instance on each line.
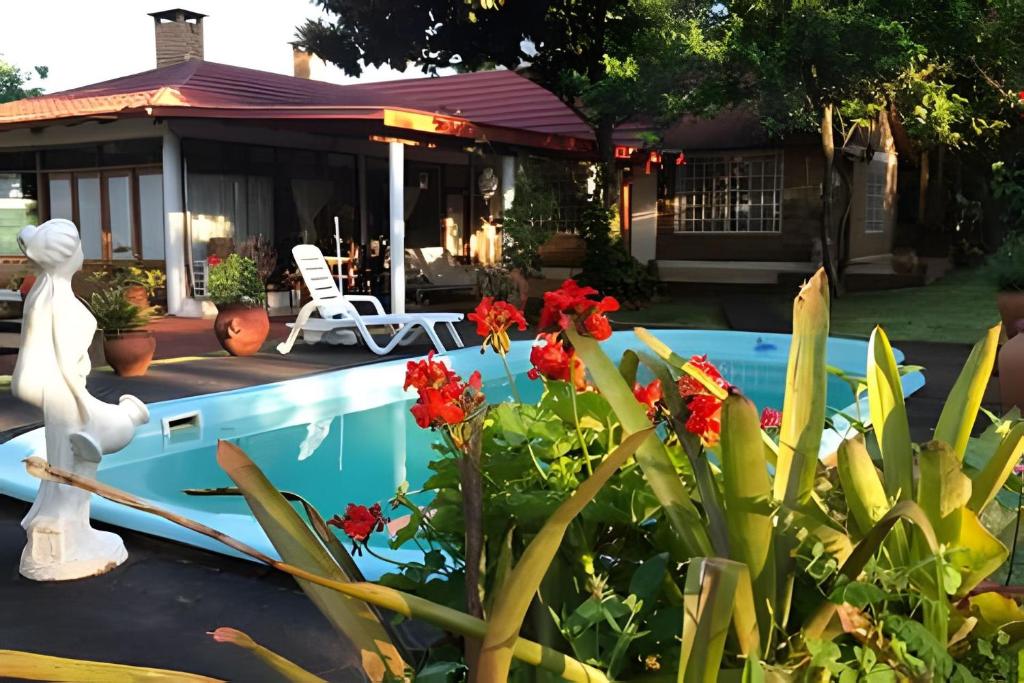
(14,82)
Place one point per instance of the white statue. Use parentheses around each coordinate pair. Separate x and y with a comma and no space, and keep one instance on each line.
(53,363)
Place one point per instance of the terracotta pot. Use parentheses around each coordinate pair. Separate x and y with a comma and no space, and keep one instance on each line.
(1011,373)
(130,353)
(136,295)
(563,249)
(241,329)
(904,261)
(1011,309)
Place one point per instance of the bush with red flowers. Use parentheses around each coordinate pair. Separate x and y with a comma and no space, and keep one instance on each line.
(444,399)
(493,319)
(359,523)
(705,408)
(572,306)
(552,360)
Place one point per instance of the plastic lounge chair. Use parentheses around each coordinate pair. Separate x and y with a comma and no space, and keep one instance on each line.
(338,314)
(438,272)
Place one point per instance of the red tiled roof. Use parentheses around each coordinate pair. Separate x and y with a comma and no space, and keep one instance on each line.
(491,98)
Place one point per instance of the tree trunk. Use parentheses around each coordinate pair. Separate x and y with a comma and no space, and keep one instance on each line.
(606,153)
(828,147)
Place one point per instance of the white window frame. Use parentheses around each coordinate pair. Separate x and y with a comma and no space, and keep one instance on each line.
(718,198)
(876,178)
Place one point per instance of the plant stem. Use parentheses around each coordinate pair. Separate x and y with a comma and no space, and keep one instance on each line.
(576,419)
(1016,531)
(511,379)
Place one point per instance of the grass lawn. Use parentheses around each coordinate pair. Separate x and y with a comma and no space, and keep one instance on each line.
(957,308)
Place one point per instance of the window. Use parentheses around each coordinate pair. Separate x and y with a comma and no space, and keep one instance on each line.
(18,208)
(228,206)
(874,196)
(724,193)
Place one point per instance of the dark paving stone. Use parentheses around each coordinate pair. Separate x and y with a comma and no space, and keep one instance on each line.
(156,609)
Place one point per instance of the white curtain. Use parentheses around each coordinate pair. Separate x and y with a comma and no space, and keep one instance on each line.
(234,206)
(310,196)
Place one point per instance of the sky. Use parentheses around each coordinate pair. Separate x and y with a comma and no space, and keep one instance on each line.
(85,42)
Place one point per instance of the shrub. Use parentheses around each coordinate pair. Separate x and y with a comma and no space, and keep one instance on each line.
(1007,264)
(607,266)
(114,315)
(235,280)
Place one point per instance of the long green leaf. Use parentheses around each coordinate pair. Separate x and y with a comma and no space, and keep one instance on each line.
(867,548)
(516,593)
(803,408)
(987,482)
(298,546)
(863,490)
(961,407)
(707,487)
(286,668)
(942,489)
(652,456)
(889,417)
(398,602)
(708,604)
(748,491)
(28,666)
(342,556)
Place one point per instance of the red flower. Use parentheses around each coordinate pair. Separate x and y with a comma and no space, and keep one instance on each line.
(427,373)
(493,318)
(572,305)
(771,419)
(359,522)
(444,399)
(705,418)
(705,408)
(648,396)
(689,386)
(552,360)
(213,260)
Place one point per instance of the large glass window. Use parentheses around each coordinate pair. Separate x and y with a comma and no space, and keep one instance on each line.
(724,193)
(874,196)
(19,207)
(90,215)
(121,211)
(151,214)
(228,206)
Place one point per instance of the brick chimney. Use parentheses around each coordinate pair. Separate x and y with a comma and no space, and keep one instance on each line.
(179,36)
(300,63)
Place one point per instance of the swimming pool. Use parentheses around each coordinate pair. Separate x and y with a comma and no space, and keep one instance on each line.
(347,435)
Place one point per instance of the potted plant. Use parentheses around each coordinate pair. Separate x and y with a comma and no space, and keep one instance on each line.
(242,323)
(137,283)
(128,350)
(1007,267)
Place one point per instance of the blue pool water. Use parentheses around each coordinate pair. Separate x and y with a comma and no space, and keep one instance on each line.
(347,436)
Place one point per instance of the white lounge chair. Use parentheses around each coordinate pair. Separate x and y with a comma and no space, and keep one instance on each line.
(338,314)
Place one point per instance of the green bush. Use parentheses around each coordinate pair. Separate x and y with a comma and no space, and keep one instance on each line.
(608,267)
(1007,264)
(235,280)
(114,314)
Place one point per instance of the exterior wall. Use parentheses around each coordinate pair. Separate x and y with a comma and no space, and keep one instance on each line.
(864,241)
(644,229)
(800,220)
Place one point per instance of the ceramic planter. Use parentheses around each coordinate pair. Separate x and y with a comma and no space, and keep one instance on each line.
(240,329)
(1011,309)
(130,353)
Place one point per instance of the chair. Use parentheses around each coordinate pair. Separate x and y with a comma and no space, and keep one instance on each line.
(338,314)
(437,272)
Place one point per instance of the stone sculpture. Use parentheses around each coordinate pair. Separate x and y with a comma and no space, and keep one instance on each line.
(50,373)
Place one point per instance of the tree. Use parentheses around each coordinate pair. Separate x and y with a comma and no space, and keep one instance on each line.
(829,66)
(608,60)
(13,81)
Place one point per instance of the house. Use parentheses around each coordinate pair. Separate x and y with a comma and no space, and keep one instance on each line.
(159,166)
(155,165)
(725,202)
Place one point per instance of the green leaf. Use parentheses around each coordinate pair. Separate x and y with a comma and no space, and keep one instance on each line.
(708,602)
(864,493)
(628,365)
(28,666)
(803,408)
(298,546)
(516,594)
(748,490)
(942,489)
(988,482)
(652,455)
(961,407)
(889,417)
(287,669)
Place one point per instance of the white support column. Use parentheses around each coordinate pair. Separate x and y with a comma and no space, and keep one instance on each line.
(174,226)
(644,235)
(396,197)
(508,182)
